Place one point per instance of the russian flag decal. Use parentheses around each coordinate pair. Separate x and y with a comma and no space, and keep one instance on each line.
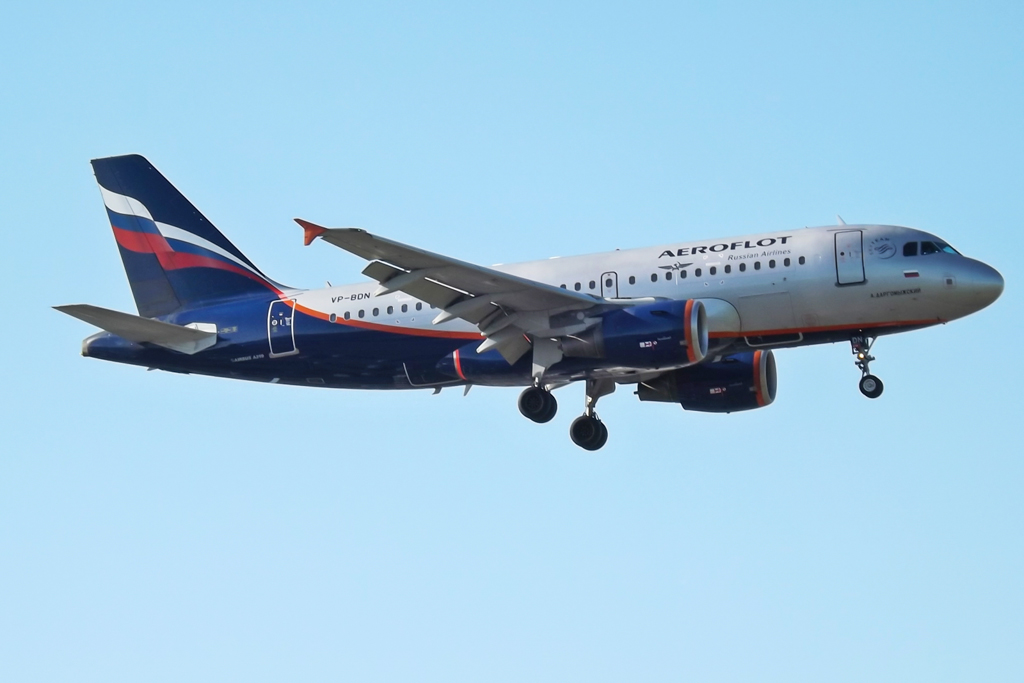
(911,273)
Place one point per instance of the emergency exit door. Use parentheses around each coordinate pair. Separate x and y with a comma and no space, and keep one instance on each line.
(849,257)
(610,285)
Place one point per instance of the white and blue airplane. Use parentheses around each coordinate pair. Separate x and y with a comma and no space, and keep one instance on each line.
(692,323)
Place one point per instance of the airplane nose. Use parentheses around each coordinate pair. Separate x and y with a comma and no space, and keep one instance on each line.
(985,284)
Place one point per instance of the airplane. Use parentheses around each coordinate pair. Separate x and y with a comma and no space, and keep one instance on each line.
(693,323)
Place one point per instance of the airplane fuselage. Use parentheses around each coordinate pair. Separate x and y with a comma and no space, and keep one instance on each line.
(770,290)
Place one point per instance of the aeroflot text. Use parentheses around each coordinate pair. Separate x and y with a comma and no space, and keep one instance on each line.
(715,248)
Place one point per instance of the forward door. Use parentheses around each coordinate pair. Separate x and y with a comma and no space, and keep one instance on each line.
(849,257)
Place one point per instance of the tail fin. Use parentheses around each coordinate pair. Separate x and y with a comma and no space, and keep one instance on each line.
(174,257)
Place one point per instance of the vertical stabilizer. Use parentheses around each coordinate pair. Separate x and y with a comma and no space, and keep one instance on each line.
(174,257)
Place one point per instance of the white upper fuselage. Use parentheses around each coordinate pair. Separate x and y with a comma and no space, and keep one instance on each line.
(780,284)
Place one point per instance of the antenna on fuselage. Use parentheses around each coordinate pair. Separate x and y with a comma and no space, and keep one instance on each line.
(840,218)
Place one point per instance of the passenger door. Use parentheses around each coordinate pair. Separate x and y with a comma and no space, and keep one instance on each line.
(280,331)
(849,257)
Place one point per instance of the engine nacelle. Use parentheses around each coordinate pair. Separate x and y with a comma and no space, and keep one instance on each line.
(664,333)
(742,381)
(488,367)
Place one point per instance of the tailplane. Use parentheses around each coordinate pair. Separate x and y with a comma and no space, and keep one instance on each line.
(174,257)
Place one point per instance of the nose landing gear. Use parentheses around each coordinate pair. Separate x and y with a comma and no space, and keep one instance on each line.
(869,385)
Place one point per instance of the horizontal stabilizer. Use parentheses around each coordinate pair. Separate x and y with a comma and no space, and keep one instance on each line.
(188,340)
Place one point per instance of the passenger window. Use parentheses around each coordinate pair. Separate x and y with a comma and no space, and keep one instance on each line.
(419,307)
(786,263)
(668,274)
(632,279)
(348,316)
(391,309)
(654,277)
(405,308)
(771,264)
(376,312)
(757,265)
(728,269)
(929,248)
(743,267)
(713,270)
(362,313)
(608,283)
(696,272)
(802,260)
(593,284)
(682,275)
(576,286)
(334,317)
(910,249)
(563,286)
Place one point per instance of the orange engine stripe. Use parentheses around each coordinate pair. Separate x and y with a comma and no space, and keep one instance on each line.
(458,364)
(757,379)
(688,331)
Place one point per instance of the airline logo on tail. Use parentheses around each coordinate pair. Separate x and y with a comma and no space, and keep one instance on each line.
(136,230)
(174,257)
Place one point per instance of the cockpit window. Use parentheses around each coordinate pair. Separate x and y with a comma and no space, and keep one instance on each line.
(937,247)
(910,249)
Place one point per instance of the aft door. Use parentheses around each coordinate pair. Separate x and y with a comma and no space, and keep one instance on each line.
(280,330)
(849,257)
(610,285)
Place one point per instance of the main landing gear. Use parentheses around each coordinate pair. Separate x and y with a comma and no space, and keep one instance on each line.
(587,431)
(538,404)
(869,385)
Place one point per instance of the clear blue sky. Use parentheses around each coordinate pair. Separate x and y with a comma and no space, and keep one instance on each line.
(168,528)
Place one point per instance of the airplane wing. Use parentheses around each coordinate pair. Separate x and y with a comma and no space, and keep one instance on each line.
(505,307)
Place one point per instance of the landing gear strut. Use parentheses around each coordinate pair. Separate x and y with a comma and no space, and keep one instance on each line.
(587,431)
(869,385)
(538,404)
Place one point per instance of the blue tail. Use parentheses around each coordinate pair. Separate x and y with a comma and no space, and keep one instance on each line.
(174,257)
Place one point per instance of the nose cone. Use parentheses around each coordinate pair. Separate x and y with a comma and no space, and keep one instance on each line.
(984,284)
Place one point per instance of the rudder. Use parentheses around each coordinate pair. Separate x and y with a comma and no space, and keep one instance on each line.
(174,257)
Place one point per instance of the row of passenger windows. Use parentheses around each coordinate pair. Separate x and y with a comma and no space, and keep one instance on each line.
(361,313)
(911,249)
(697,272)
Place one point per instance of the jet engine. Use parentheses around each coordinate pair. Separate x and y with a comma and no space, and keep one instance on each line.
(664,333)
(742,381)
(486,368)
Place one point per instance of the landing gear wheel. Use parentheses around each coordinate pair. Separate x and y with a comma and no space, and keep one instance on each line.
(538,405)
(588,432)
(871,386)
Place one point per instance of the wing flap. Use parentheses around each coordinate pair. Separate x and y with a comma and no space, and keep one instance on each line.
(433,293)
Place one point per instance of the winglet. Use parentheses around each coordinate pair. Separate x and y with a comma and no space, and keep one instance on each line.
(312,231)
